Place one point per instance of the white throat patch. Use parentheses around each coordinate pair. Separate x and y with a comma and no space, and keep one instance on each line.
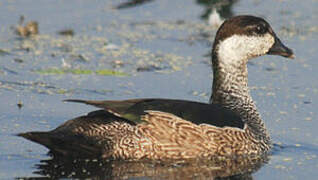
(238,48)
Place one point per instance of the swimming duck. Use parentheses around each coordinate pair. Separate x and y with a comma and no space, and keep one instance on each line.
(159,129)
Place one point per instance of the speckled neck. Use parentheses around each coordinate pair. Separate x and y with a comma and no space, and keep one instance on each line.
(230,89)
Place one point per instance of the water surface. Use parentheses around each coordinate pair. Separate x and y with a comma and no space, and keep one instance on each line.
(161,50)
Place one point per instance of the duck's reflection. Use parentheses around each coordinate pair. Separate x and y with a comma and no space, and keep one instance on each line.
(215,168)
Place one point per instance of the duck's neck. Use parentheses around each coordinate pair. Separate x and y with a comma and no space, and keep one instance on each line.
(231,91)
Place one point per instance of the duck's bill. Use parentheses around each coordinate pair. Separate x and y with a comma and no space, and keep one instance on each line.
(280,49)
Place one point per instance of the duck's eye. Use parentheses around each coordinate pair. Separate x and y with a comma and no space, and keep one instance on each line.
(260,29)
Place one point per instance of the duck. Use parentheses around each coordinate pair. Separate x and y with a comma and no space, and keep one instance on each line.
(171,129)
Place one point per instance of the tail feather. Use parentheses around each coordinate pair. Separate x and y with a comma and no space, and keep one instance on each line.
(38,137)
(100,104)
(68,145)
(116,106)
(76,101)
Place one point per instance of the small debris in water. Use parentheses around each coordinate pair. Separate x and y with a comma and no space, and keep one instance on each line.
(31,28)
(117,63)
(66,32)
(269,69)
(18,60)
(65,64)
(308,118)
(79,57)
(270,94)
(20,104)
(111,47)
(195,93)
(280,167)
(4,52)
(287,159)
(301,95)
(148,68)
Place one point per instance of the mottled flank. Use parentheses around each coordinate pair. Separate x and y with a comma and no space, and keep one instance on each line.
(166,136)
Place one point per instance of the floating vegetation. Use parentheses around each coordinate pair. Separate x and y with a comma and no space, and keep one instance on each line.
(62,91)
(148,68)
(106,72)
(38,87)
(18,60)
(79,58)
(102,72)
(4,52)
(66,32)
(111,47)
(31,28)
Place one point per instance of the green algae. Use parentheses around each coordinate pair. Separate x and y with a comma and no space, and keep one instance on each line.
(61,71)
(107,72)
(79,71)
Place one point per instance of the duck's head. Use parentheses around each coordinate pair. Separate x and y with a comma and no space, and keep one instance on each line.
(244,37)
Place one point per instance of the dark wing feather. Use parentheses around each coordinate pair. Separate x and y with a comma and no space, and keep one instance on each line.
(195,112)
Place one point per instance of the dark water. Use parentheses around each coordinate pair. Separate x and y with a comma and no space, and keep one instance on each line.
(160,48)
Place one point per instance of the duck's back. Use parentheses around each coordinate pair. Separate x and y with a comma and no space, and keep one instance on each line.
(97,133)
